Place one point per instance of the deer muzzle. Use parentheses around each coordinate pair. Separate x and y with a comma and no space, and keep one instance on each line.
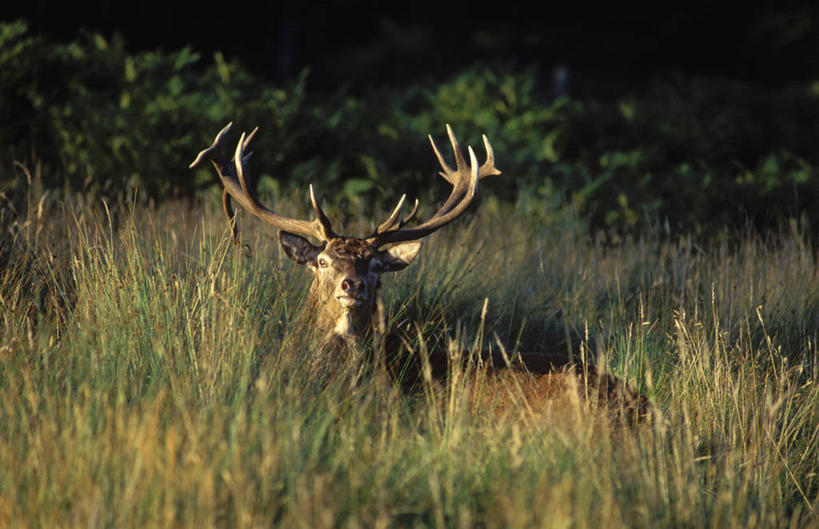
(352,292)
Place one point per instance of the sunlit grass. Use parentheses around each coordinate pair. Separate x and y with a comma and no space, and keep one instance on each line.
(153,376)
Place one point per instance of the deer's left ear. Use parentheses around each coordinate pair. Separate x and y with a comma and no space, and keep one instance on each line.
(397,257)
(298,248)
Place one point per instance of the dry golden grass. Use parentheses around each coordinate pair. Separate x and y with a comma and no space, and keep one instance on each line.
(152,376)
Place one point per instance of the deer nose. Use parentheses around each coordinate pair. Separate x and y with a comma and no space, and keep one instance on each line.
(352,286)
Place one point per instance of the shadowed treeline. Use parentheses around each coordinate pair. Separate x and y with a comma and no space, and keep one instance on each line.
(694,153)
(362,42)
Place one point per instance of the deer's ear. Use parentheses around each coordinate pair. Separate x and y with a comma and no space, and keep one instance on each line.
(298,248)
(398,257)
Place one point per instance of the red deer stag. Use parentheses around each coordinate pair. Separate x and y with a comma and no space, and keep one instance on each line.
(345,293)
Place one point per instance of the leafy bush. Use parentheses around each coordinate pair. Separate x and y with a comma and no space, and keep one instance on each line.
(694,152)
(112,121)
(697,152)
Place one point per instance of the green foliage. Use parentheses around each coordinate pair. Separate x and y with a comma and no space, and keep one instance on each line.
(698,153)
(111,122)
(150,375)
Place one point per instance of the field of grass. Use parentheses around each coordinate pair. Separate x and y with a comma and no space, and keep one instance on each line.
(153,376)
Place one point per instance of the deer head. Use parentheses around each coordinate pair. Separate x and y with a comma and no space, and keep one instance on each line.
(346,287)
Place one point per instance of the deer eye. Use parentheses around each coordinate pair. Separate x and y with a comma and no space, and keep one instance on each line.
(322,262)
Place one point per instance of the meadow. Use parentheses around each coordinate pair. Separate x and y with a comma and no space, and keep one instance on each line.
(151,375)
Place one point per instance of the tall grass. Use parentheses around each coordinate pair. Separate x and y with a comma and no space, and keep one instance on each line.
(153,376)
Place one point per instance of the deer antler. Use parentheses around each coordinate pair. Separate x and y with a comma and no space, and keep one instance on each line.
(236,186)
(464,180)
(389,224)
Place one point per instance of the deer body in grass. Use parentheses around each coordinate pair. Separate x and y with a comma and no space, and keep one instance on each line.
(345,297)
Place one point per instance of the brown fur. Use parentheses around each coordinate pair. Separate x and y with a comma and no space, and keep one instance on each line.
(540,378)
(345,294)
(348,259)
(525,384)
(525,393)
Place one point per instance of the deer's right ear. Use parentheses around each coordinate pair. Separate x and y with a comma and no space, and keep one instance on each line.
(298,248)
(398,257)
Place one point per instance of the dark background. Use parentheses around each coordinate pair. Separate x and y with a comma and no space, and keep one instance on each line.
(691,114)
(608,47)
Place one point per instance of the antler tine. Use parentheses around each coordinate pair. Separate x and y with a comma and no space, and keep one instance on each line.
(411,214)
(463,191)
(447,170)
(387,224)
(234,179)
(213,149)
(460,174)
(239,162)
(324,221)
(460,163)
(390,223)
(488,167)
(451,175)
(253,133)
